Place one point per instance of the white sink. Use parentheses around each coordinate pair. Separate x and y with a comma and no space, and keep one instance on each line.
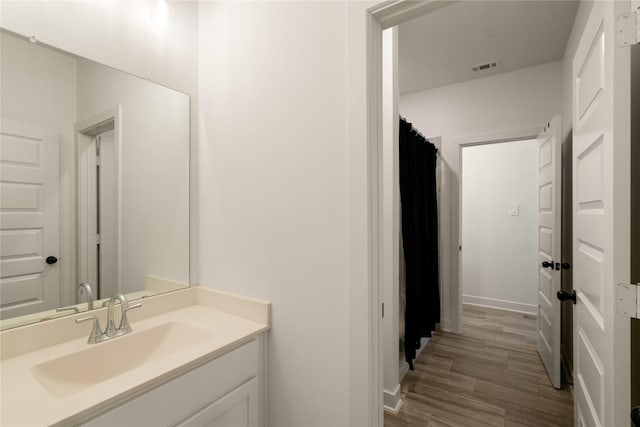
(96,363)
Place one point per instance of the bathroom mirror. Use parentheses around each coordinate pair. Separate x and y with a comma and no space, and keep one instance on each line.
(94,170)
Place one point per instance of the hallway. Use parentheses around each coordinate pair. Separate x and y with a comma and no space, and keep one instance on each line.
(490,376)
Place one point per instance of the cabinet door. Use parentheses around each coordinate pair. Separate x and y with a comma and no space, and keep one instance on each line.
(171,402)
(238,408)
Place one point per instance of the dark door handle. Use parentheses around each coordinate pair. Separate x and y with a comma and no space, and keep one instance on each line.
(51,260)
(566,266)
(565,296)
(547,264)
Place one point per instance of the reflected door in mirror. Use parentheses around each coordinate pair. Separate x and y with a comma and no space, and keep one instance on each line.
(29,218)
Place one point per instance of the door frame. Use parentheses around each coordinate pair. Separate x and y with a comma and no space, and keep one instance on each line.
(498,137)
(366,23)
(85,131)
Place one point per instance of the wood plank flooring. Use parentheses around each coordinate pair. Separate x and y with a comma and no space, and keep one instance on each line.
(489,376)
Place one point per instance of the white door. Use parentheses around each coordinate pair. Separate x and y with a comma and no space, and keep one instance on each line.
(601,220)
(28,218)
(549,247)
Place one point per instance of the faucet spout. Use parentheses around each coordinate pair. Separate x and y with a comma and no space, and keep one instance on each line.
(86,288)
(124,326)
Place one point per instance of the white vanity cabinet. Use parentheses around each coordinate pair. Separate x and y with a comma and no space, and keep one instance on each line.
(227,391)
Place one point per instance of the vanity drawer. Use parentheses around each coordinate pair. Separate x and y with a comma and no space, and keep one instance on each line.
(205,389)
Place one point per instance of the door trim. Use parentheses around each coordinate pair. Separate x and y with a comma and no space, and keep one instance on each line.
(84,132)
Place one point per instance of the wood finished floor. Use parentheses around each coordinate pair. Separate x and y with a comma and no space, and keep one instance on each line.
(489,376)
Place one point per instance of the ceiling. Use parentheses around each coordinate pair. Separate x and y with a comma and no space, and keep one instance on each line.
(441,47)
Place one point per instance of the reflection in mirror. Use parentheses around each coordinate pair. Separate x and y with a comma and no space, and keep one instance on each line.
(94,184)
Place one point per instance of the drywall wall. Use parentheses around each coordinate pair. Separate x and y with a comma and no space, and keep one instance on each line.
(510,101)
(154,169)
(273,191)
(500,246)
(38,86)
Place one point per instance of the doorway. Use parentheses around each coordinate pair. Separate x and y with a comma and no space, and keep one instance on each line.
(98,169)
(499,225)
(597,20)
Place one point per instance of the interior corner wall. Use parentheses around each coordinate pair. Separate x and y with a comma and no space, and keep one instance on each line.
(274,206)
(496,177)
(521,99)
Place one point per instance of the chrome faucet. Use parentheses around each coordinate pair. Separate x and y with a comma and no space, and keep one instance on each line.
(86,288)
(111,331)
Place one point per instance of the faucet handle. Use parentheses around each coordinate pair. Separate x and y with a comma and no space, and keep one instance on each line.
(96,332)
(124,321)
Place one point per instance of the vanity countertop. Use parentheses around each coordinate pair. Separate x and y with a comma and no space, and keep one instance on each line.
(221,321)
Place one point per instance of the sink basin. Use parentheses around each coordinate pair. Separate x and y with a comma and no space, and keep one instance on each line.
(99,362)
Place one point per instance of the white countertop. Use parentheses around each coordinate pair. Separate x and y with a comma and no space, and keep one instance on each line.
(229,321)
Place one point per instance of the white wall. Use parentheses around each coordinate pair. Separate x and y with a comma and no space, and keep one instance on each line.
(273,191)
(40,88)
(499,257)
(154,169)
(502,104)
(510,101)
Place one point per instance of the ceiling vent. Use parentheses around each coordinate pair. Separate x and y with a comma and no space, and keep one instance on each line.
(484,67)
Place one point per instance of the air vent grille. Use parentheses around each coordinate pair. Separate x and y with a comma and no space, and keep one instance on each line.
(484,67)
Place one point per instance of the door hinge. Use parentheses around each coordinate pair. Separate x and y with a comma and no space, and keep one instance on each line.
(628,300)
(97,239)
(97,160)
(383,310)
(628,26)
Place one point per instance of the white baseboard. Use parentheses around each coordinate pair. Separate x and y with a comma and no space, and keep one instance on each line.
(392,400)
(500,304)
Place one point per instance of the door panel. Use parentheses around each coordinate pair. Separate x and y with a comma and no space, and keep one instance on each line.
(600,220)
(549,247)
(29,218)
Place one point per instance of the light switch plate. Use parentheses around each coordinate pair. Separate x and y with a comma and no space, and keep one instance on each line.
(514,209)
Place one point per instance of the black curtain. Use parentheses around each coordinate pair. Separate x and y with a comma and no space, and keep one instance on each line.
(419,236)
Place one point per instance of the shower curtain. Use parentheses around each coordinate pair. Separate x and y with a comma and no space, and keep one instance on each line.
(419,216)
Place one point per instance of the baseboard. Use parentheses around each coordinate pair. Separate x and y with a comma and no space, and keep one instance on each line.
(500,304)
(392,400)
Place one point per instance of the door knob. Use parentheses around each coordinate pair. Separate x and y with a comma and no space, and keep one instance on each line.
(566,266)
(547,264)
(51,260)
(565,296)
